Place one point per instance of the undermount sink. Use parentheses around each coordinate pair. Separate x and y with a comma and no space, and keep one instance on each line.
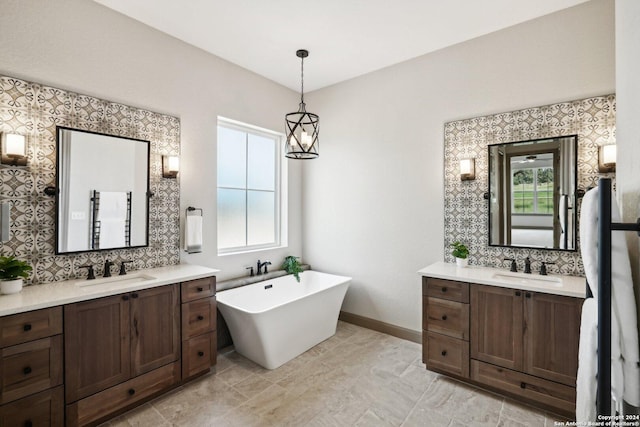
(527,279)
(128,279)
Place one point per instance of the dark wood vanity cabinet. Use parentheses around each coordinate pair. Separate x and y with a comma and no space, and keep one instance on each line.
(522,343)
(31,392)
(199,349)
(119,350)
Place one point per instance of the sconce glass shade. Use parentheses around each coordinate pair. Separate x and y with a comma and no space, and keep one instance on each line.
(467,169)
(170,166)
(302,127)
(607,158)
(14,149)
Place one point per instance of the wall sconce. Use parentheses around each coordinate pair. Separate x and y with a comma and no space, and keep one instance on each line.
(170,166)
(607,158)
(14,150)
(467,169)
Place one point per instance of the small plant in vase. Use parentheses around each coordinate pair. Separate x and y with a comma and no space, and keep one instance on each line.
(292,266)
(461,253)
(12,273)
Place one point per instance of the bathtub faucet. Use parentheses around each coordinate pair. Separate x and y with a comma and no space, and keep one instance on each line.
(262,264)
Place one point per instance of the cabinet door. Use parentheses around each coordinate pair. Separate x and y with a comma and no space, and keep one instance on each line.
(551,336)
(155,328)
(97,345)
(496,326)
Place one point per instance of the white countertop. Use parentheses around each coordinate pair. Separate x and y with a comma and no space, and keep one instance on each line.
(572,286)
(35,297)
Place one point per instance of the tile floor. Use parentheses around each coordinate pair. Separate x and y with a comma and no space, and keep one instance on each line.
(358,377)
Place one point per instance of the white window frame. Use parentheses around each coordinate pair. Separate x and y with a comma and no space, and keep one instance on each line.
(280,186)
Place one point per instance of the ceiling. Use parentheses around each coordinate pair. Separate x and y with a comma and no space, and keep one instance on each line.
(345,38)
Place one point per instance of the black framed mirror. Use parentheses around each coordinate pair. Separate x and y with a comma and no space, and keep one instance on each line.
(102,197)
(532,193)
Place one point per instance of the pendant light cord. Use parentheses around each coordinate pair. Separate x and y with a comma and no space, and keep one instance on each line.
(302,80)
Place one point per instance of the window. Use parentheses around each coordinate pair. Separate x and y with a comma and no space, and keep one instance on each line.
(249,190)
(532,191)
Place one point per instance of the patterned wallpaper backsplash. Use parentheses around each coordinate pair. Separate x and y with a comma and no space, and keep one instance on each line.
(466,210)
(34,110)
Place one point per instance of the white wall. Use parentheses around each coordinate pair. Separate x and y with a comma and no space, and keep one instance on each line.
(628,122)
(373,201)
(81,46)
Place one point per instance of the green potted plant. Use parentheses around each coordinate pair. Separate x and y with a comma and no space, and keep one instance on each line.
(461,253)
(292,266)
(12,273)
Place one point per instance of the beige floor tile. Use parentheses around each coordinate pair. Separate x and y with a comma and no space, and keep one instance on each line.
(517,414)
(252,385)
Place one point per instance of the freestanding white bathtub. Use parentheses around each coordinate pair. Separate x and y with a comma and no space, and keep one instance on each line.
(273,321)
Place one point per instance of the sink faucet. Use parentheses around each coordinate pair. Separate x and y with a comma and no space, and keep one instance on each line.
(107,268)
(90,273)
(123,268)
(527,265)
(262,264)
(543,267)
(514,266)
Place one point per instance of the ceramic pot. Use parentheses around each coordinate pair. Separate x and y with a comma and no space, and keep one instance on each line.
(462,262)
(10,286)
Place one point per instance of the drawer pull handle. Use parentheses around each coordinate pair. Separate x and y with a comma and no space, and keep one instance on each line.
(28,423)
(200,317)
(444,352)
(200,289)
(131,392)
(125,297)
(444,317)
(201,353)
(444,289)
(134,295)
(27,370)
(518,293)
(523,385)
(27,327)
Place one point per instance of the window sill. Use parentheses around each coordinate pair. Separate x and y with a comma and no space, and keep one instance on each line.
(251,250)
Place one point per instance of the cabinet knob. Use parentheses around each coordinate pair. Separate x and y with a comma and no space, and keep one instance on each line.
(131,392)
(28,423)
(444,317)
(518,293)
(27,370)
(444,352)
(27,327)
(125,297)
(527,295)
(200,289)
(201,353)
(444,289)
(200,317)
(134,295)
(523,385)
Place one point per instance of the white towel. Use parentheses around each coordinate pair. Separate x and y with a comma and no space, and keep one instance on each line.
(625,357)
(586,384)
(112,233)
(193,233)
(112,205)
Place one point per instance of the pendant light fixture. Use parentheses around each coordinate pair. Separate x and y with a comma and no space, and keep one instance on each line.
(302,126)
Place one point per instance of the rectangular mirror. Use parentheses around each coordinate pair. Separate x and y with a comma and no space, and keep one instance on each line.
(103,185)
(532,193)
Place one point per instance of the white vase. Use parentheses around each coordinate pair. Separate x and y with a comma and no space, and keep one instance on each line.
(10,286)
(462,262)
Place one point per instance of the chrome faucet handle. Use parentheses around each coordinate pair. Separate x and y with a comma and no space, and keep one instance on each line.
(514,265)
(543,267)
(90,273)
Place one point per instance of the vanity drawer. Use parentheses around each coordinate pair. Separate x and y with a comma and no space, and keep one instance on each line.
(449,318)
(543,391)
(198,317)
(199,288)
(29,326)
(198,354)
(447,354)
(96,406)
(445,289)
(45,409)
(29,368)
